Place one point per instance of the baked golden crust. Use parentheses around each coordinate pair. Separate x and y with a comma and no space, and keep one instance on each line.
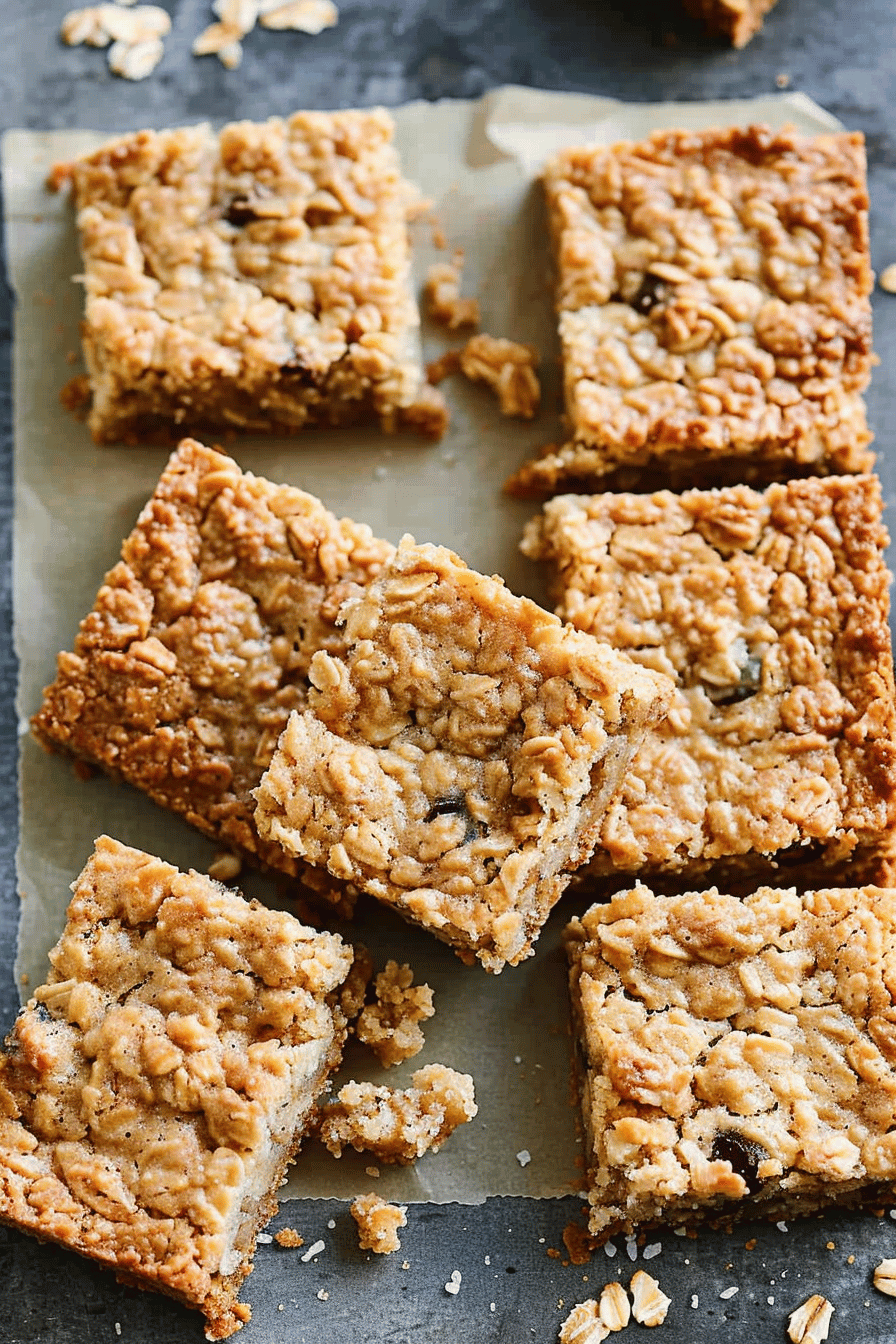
(771,612)
(713,295)
(198,647)
(737,20)
(256,279)
(457,761)
(154,1089)
(738,1056)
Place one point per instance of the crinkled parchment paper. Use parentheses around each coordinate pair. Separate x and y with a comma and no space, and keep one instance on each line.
(74,502)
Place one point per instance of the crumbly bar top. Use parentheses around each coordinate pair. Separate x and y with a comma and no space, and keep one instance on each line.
(714,305)
(739,1056)
(184,674)
(399,1124)
(457,760)
(770,612)
(737,20)
(145,1083)
(253,279)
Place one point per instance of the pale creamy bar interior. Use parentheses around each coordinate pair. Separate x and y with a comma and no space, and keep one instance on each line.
(155,1087)
(256,279)
(737,1058)
(713,300)
(771,611)
(456,760)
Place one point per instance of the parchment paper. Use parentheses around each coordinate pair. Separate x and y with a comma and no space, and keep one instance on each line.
(74,502)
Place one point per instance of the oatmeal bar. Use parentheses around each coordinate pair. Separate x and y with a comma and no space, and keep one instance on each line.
(770,610)
(398,1125)
(457,761)
(185,672)
(738,1057)
(153,1091)
(255,279)
(736,20)
(714,309)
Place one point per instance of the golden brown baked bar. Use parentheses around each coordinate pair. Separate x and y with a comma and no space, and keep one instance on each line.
(254,279)
(737,1057)
(770,610)
(457,761)
(183,675)
(153,1091)
(736,20)
(714,308)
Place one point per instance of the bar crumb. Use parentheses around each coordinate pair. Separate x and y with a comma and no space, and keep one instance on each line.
(398,1125)
(378,1224)
(391,1025)
(288,1237)
(442,297)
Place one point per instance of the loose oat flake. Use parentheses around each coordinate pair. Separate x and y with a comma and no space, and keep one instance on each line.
(615,1308)
(583,1325)
(649,1303)
(885,1277)
(303,16)
(809,1324)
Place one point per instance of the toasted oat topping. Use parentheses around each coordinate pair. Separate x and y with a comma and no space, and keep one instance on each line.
(885,1277)
(184,674)
(399,1125)
(254,279)
(456,762)
(391,1025)
(378,1224)
(771,612)
(714,306)
(739,1056)
(153,1090)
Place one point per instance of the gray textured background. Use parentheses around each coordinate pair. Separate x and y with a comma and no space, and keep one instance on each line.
(842,53)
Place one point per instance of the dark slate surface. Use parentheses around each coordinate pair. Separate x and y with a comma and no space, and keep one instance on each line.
(842,53)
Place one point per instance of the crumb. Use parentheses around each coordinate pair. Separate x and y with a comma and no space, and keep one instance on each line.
(524,1157)
(579,1243)
(782,81)
(453,1284)
(398,1126)
(442,367)
(378,1224)
(442,296)
(391,1025)
(288,1236)
(508,368)
(354,991)
(373,1172)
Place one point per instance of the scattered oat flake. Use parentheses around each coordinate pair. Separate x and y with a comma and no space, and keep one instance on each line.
(491,1306)
(135,60)
(314,1250)
(631,1248)
(770,1301)
(118,1327)
(331,1223)
(139,24)
(264,1238)
(810,1323)
(885,1277)
(649,1252)
(238,15)
(303,16)
(729,1292)
(524,1157)
(650,1304)
(323,1295)
(782,1226)
(453,1284)
(583,1325)
(609,1249)
(887,281)
(695,1301)
(614,1307)
(84,25)
(231,55)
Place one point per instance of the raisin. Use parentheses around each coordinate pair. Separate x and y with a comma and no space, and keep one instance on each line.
(743,1155)
(455,805)
(650,294)
(241,211)
(750,681)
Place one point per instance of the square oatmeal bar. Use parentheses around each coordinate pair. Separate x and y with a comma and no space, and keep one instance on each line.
(737,1057)
(255,279)
(770,611)
(153,1091)
(184,673)
(457,760)
(736,20)
(714,309)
